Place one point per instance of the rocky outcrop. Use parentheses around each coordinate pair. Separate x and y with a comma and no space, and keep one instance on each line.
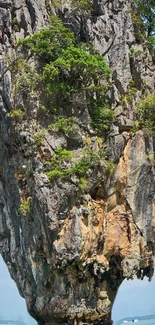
(71,250)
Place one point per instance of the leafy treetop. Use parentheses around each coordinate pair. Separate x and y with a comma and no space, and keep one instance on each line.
(146,10)
(145,20)
(71,71)
(48,43)
(75,70)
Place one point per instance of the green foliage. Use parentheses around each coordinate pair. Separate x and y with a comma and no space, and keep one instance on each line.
(110,166)
(58,163)
(102,116)
(151,42)
(132,90)
(62,167)
(138,25)
(61,156)
(146,112)
(136,127)
(82,183)
(73,72)
(16,114)
(48,44)
(79,169)
(70,73)
(42,107)
(48,5)
(94,155)
(25,80)
(24,76)
(39,137)
(79,73)
(24,208)
(134,53)
(53,174)
(84,5)
(15,24)
(64,124)
(144,12)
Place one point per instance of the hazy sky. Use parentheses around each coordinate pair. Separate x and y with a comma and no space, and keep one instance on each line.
(134,297)
(12,305)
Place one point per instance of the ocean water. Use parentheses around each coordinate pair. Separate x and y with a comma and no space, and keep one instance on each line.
(137,320)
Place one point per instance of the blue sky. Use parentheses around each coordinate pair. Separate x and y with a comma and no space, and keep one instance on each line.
(12,305)
(134,297)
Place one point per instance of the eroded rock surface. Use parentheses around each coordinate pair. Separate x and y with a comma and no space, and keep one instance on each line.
(70,253)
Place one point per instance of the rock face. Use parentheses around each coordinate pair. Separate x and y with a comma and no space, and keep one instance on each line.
(72,249)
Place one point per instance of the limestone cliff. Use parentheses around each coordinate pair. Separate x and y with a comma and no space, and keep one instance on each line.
(70,251)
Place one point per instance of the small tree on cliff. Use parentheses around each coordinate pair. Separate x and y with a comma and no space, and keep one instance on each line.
(145,10)
(71,72)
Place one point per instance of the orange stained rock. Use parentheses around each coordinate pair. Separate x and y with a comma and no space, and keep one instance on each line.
(120,233)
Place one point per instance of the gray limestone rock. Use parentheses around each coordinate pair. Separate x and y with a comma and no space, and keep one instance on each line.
(61,238)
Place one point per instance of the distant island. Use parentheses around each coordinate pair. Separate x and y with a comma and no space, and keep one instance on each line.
(11,322)
(135,319)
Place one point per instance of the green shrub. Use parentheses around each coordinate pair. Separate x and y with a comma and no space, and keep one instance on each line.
(48,5)
(81,167)
(24,76)
(70,73)
(48,44)
(15,25)
(61,155)
(146,112)
(73,73)
(132,90)
(109,166)
(145,12)
(136,127)
(84,5)
(151,42)
(25,81)
(42,107)
(16,113)
(144,20)
(94,156)
(52,174)
(24,208)
(134,53)
(64,124)
(39,137)
(82,183)
(127,98)
(59,161)
(101,114)
(138,27)
(77,75)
